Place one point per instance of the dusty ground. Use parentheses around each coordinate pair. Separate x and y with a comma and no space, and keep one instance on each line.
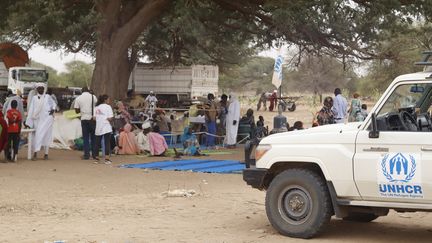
(72,200)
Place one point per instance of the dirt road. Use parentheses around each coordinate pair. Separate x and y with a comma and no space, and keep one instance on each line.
(77,201)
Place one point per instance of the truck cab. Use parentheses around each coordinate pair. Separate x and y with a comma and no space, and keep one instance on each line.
(23,79)
(355,171)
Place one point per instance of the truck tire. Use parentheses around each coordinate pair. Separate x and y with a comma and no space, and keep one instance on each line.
(361,217)
(298,203)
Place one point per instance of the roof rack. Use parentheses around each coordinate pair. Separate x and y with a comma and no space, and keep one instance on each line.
(425,61)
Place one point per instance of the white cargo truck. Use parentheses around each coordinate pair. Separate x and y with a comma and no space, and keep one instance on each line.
(355,171)
(175,85)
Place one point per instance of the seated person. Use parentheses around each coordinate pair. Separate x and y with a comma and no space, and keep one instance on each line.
(249,119)
(142,138)
(260,130)
(190,142)
(158,145)
(126,141)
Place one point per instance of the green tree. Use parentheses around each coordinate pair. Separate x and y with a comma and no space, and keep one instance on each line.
(113,30)
(404,50)
(255,74)
(78,74)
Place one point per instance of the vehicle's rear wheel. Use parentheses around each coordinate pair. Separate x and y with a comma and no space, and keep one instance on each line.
(298,203)
(361,217)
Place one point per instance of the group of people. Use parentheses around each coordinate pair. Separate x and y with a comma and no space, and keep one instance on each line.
(271,97)
(129,132)
(337,111)
(40,117)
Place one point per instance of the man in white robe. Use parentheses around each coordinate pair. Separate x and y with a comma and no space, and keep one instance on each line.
(232,121)
(41,117)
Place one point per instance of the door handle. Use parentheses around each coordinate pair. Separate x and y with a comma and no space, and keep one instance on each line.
(426,149)
(376,149)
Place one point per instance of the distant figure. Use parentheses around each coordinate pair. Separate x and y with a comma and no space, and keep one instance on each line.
(223,111)
(14,120)
(249,119)
(260,131)
(339,108)
(232,121)
(142,138)
(151,103)
(190,142)
(355,108)
(363,113)
(158,145)
(262,100)
(127,143)
(41,117)
(9,99)
(325,115)
(54,97)
(273,100)
(210,118)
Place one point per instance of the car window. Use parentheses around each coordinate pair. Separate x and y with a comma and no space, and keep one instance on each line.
(403,97)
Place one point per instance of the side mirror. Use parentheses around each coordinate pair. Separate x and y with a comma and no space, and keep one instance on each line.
(47,76)
(14,74)
(374,133)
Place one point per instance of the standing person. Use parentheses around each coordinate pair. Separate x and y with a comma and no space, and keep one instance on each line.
(54,97)
(325,115)
(210,118)
(30,96)
(104,116)
(273,100)
(84,104)
(262,100)
(233,117)
(9,99)
(41,117)
(340,106)
(355,108)
(151,102)
(14,120)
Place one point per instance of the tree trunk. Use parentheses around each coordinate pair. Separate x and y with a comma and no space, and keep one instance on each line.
(112,70)
(121,24)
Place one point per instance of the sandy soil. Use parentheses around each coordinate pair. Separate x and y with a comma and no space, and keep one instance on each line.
(71,200)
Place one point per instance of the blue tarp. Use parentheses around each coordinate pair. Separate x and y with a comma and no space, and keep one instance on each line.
(196,165)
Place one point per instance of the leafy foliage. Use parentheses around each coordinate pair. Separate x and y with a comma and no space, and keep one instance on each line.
(78,74)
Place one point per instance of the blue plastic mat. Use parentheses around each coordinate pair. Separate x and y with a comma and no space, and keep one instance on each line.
(196,165)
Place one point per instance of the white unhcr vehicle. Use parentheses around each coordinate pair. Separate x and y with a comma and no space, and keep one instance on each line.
(356,171)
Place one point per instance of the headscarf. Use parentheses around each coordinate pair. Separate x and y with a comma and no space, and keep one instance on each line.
(127,128)
(187,135)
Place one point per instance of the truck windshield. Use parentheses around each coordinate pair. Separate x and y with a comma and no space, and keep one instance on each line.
(405,96)
(31,75)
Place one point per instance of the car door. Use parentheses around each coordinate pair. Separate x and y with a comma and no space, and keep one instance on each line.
(397,164)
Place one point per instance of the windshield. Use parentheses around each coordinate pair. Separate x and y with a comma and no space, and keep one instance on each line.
(404,96)
(29,75)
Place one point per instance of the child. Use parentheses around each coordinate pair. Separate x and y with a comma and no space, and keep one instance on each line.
(14,119)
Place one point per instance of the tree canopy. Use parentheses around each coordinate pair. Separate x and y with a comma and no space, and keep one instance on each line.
(221,32)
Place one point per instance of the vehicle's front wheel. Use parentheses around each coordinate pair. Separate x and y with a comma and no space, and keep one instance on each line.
(298,203)
(361,217)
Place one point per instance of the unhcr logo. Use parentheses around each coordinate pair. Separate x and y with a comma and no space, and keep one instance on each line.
(398,176)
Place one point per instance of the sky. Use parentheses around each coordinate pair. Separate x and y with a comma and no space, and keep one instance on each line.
(56,59)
